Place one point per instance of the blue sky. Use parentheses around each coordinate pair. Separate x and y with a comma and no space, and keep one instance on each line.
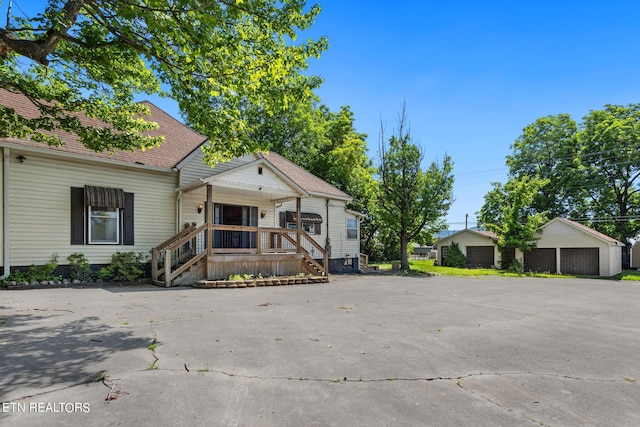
(472,74)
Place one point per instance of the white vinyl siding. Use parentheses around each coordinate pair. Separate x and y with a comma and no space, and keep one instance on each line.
(195,168)
(43,184)
(2,207)
(341,247)
(250,179)
(334,226)
(312,205)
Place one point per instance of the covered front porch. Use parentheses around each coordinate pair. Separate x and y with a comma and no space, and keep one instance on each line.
(235,232)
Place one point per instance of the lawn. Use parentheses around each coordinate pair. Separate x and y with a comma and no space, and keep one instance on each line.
(426,266)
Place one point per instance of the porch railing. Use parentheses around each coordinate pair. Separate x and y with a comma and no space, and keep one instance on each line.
(177,254)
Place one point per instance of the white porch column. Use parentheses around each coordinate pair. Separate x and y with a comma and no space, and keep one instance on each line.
(298,223)
(6,214)
(209,219)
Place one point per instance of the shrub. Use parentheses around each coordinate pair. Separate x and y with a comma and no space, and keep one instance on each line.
(124,267)
(43,272)
(455,257)
(516,266)
(16,276)
(79,266)
(36,273)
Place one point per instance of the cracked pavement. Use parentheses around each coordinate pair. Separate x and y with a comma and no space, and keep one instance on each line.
(360,350)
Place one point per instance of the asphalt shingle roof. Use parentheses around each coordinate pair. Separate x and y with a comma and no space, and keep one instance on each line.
(308,181)
(180,140)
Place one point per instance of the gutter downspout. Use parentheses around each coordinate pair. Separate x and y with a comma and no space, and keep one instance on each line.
(327,243)
(179,212)
(6,226)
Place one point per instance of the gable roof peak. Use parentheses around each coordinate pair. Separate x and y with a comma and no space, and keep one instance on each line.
(305,179)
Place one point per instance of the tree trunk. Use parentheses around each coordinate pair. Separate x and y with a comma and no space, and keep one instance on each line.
(404,259)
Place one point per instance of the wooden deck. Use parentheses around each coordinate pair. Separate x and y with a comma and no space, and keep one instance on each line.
(236,250)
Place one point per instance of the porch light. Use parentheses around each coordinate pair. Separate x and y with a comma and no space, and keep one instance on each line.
(263,214)
(200,208)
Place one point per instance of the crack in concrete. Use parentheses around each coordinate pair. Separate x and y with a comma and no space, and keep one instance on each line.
(458,380)
(497,404)
(392,378)
(67,387)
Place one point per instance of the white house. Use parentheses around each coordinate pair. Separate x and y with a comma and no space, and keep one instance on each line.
(62,200)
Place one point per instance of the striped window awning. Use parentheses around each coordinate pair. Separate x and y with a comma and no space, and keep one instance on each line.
(104,197)
(309,217)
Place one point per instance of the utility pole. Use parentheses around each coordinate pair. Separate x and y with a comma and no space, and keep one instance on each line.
(466,221)
(9,14)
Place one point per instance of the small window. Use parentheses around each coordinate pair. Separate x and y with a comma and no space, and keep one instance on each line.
(308,227)
(259,170)
(104,225)
(352,228)
(348,263)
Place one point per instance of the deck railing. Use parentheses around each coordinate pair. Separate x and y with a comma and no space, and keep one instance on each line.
(177,254)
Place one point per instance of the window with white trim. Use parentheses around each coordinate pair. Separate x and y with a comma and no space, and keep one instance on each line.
(352,228)
(104,225)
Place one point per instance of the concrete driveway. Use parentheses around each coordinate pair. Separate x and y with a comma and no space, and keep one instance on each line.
(358,351)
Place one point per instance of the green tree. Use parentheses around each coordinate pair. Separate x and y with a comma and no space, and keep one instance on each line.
(455,257)
(547,149)
(296,132)
(213,57)
(411,199)
(508,213)
(609,158)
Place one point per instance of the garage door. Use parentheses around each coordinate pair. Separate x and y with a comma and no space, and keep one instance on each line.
(540,260)
(480,256)
(580,261)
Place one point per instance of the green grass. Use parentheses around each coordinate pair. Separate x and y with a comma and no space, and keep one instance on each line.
(629,275)
(427,267)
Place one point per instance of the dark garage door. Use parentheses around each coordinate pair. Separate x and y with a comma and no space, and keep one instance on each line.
(480,256)
(540,260)
(580,261)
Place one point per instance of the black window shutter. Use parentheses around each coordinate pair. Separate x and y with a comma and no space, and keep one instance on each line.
(127,220)
(283,220)
(317,230)
(77,216)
